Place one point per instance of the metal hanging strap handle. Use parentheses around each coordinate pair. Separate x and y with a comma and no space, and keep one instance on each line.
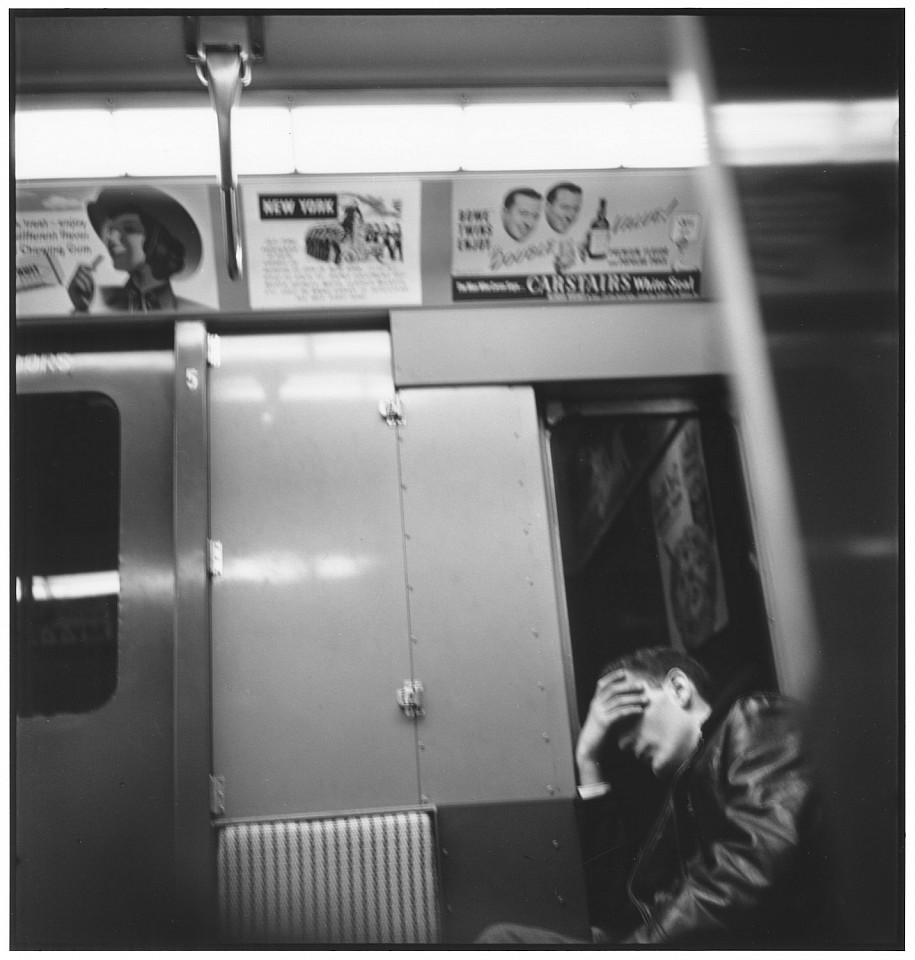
(224,71)
(222,47)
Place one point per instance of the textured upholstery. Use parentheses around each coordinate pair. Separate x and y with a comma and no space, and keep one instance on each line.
(352,879)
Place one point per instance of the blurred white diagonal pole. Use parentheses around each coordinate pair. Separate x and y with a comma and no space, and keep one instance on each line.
(783,569)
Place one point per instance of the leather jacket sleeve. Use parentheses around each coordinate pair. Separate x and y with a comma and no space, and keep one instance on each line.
(762,779)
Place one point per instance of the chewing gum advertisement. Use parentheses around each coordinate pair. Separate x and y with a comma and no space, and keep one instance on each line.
(313,243)
(578,237)
(120,247)
(687,546)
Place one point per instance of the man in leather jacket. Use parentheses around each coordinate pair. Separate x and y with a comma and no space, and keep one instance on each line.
(735,857)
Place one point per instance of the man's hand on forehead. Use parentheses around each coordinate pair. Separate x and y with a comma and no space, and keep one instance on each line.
(618,701)
(619,697)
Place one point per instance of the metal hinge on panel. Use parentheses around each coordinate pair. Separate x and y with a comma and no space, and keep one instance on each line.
(217,796)
(214,558)
(410,698)
(392,411)
(214,350)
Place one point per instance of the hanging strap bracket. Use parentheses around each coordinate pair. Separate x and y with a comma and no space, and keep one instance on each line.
(245,34)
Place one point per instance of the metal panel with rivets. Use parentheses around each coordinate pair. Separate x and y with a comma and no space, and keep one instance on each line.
(309,614)
(483,607)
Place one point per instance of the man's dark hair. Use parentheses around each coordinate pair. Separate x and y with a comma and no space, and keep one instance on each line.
(519,192)
(571,187)
(654,663)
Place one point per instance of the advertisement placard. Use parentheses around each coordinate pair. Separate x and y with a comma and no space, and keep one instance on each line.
(687,545)
(318,244)
(117,247)
(577,238)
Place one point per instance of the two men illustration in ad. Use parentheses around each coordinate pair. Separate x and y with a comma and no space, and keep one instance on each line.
(150,237)
(522,206)
(561,206)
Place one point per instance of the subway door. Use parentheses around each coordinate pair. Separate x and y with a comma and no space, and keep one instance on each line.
(495,753)
(309,613)
(93,651)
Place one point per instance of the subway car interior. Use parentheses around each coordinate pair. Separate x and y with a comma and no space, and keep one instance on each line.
(382,376)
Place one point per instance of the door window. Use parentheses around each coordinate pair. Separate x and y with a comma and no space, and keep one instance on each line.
(66,523)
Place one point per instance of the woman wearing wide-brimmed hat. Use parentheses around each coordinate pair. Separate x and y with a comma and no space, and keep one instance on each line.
(149,236)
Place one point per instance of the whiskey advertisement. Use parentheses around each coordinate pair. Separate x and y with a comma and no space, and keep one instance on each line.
(578,237)
(313,243)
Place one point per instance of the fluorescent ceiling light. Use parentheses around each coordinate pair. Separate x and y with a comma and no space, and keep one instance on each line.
(53,144)
(804,132)
(417,138)
(665,135)
(543,136)
(262,140)
(385,138)
(167,142)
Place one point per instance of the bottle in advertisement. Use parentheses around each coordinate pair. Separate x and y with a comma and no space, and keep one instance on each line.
(599,234)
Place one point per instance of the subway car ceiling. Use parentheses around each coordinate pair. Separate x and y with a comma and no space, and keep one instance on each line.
(761,55)
(348,51)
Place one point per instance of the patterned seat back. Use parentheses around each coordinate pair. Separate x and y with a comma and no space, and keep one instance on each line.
(370,878)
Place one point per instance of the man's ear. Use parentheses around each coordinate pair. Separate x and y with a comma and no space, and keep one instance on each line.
(682,686)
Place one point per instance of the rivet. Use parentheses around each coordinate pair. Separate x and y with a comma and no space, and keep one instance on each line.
(546,738)
(550,788)
(556,844)
(541,685)
(534,633)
